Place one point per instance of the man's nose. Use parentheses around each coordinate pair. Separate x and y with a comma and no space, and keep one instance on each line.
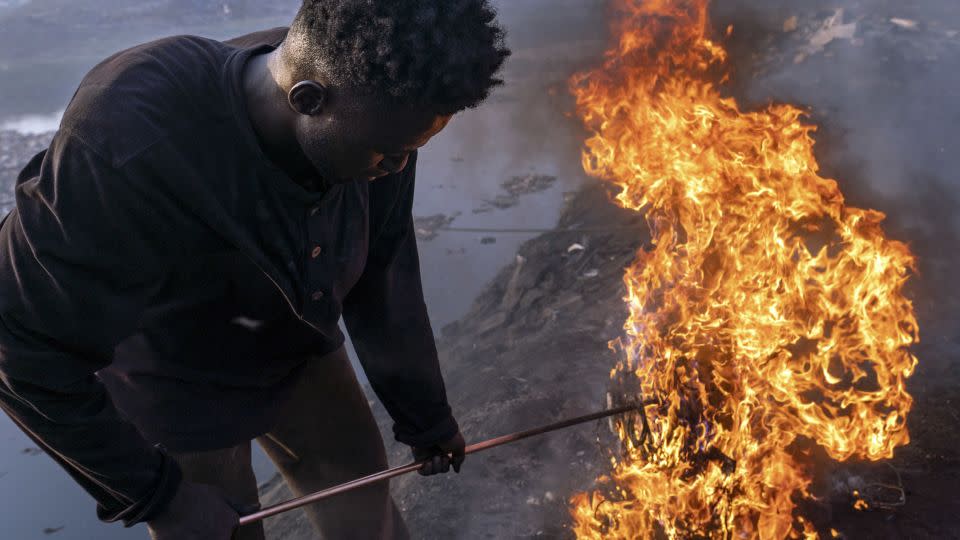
(394,163)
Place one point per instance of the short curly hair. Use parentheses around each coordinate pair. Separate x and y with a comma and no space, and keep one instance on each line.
(440,53)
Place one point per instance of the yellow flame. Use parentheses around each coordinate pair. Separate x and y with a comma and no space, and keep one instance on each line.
(766,315)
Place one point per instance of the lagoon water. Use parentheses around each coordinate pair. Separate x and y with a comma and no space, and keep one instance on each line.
(33,124)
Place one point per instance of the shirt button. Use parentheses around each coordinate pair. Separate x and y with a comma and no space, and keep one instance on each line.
(317,296)
(316,252)
(314,210)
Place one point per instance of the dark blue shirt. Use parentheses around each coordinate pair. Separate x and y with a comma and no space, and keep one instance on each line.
(163,282)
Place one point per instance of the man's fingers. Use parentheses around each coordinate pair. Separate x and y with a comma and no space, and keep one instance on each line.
(439,458)
(436,465)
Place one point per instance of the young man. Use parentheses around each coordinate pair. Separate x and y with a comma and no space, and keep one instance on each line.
(173,275)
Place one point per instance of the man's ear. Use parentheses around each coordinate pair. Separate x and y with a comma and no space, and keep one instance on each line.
(307,98)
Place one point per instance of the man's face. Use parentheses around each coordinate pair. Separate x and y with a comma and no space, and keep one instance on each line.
(361,138)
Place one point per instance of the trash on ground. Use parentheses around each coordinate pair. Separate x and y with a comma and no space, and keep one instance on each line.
(427,227)
(904,23)
(833,28)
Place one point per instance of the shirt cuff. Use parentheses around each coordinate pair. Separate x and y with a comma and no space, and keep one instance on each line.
(440,432)
(154,503)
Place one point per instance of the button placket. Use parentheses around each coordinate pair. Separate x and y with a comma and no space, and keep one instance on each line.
(316,270)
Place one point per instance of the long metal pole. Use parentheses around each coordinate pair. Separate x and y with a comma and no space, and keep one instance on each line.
(404,469)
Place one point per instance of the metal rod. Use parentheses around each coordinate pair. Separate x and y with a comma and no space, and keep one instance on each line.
(404,469)
(537,230)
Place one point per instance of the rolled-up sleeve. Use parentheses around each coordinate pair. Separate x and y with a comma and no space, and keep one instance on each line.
(78,263)
(386,317)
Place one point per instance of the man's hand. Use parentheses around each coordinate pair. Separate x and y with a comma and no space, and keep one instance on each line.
(439,457)
(197,512)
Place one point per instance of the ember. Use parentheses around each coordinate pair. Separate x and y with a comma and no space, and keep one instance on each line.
(766,316)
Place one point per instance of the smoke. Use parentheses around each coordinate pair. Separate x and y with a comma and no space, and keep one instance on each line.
(885,101)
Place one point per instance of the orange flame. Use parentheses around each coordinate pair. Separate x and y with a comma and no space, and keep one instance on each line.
(765,316)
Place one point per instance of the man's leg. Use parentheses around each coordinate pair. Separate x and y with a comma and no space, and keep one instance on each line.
(327,436)
(230,470)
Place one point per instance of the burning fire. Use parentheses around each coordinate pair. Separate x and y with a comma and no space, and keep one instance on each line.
(767,316)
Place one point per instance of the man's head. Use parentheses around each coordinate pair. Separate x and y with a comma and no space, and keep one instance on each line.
(371,81)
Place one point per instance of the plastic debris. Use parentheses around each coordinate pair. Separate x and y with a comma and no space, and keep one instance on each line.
(832,29)
(904,23)
(427,227)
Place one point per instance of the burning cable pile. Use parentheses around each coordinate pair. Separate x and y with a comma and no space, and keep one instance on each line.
(767,316)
